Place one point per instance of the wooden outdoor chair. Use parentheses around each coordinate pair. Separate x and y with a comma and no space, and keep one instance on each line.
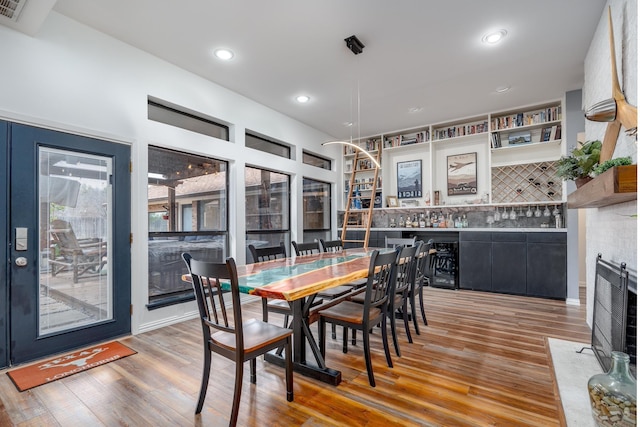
(81,256)
(236,339)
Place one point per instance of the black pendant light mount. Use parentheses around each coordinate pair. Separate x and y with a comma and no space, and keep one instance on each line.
(354,44)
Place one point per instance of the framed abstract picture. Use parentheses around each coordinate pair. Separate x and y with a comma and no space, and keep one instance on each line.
(462,174)
(410,179)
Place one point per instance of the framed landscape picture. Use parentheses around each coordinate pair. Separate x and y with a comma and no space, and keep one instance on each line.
(410,179)
(462,177)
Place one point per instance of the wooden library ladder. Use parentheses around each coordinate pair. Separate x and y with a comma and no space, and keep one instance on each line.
(360,218)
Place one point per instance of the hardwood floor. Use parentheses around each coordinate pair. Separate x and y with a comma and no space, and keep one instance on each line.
(482,361)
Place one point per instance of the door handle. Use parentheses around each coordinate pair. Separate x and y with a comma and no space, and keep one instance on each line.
(21,261)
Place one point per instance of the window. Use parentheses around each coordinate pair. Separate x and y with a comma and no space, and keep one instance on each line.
(174,115)
(267,203)
(316,208)
(267,145)
(187,212)
(315,160)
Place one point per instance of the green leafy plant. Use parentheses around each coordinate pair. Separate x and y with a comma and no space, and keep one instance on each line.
(581,162)
(619,161)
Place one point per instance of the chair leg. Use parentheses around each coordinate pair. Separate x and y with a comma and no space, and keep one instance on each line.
(394,334)
(353,336)
(345,338)
(265,312)
(424,316)
(413,313)
(252,365)
(405,317)
(367,359)
(286,321)
(333,331)
(385,342)
(288,366)
(206,369)
(235,407)
(321,337)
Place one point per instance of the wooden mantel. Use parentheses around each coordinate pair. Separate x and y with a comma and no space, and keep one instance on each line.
(617,185)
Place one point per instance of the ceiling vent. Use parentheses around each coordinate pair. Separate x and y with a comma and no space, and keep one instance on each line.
(11,8)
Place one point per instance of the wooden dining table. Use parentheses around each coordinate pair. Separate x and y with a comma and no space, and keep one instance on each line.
(297,280)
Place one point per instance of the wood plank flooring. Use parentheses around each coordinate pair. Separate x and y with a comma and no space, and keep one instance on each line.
(482,361)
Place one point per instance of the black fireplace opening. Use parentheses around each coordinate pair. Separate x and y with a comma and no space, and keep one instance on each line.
(614,313)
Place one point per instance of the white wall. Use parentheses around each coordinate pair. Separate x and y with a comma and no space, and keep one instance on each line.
(611,230)
(73,78)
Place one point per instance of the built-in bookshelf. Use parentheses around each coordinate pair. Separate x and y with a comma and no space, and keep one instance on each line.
(497,141)
(456,130)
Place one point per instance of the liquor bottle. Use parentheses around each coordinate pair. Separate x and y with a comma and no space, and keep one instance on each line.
(465,222)
(422,223)
(415,223)
(409,222)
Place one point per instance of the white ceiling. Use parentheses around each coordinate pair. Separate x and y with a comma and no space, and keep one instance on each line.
(418,53)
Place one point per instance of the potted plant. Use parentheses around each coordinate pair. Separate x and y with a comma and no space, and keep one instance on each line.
(618,161)
(580,164)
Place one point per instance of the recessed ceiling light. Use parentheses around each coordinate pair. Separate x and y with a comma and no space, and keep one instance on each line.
(494,37)
(302,98)
(224,54)
(413,110)
(501,89)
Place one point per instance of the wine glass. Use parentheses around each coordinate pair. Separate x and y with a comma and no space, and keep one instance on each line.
(537,213)
(556,211)
(520,213)
(512,214)
(529,212)
(505,214)
(496,215)
(546,212)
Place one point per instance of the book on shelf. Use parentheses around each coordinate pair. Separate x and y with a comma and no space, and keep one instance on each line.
(495,140)
(558,133)
(552,133)
(543,115)
(545,134)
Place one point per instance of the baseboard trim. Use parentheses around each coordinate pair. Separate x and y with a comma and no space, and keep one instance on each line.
(167,322)
(573,301)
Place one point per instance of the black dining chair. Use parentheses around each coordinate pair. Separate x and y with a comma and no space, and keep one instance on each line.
(398,305)
(393,242)
(363,317)
(236,339)
(269,253)
(338,291)
(423,260)
(331,245)
(305,248)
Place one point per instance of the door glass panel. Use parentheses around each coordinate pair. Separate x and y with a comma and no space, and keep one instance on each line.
(75,240)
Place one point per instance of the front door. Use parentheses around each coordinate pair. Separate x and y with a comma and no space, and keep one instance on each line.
(69,252)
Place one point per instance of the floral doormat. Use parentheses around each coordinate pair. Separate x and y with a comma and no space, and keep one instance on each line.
(68,364)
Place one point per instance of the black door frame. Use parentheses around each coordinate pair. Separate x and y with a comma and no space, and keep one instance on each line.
(4,226)
(22,329)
